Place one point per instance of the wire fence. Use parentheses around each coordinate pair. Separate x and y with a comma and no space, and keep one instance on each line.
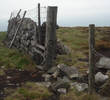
(32,13)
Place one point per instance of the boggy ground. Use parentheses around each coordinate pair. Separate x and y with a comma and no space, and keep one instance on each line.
(17,68)
(14,78)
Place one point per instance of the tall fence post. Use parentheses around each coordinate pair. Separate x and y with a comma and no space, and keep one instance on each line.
(91,58)
(39,24)
(50,36)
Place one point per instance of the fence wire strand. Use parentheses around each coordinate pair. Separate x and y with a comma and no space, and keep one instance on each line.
(33,14)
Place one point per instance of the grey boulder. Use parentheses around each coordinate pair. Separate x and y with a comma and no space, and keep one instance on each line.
(71,72)
(104,63)
(100,78)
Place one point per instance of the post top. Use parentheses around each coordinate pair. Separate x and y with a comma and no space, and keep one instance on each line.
(52,6)
(91,25)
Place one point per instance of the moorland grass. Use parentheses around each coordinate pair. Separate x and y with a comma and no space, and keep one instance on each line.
(12,58)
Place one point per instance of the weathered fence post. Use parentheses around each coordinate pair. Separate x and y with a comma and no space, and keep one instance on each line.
(91,58)
(50,36)
(39,24)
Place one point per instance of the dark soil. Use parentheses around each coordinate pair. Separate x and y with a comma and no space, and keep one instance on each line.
(14,78)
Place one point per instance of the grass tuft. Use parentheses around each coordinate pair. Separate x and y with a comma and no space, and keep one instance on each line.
(12,58)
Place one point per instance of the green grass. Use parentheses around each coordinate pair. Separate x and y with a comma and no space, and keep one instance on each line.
(72,37)
(30,91)
(12,58)
(76,38)
(83,96)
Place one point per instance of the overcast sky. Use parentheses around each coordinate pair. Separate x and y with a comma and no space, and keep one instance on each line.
(70,12)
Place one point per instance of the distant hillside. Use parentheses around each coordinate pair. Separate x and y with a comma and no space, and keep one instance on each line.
(3,24)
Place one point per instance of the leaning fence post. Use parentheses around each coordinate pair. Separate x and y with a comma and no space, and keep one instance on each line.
(50,36)
(91,58)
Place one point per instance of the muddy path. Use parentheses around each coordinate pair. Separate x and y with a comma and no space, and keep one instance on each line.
(14,78)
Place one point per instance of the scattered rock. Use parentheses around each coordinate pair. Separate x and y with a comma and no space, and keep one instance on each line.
(52,70)
(8,77)
(56,74)
(66,79)
(2,67)
(62,49)
(80,86)
(60,83)
(71,72)
(104,63)
(105,89)
(47,84)
(62,90)
(47,77)
(100,78)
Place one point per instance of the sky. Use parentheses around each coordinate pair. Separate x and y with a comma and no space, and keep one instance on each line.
(70,12)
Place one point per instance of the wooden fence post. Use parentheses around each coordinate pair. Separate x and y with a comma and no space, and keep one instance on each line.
(39,24)
(50,36)
(91,58)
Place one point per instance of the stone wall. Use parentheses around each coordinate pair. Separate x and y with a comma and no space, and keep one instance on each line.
(26,39)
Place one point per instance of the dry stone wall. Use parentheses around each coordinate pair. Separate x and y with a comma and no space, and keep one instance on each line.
(26,38)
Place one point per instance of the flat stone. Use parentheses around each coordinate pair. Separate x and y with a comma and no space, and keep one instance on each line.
(60,83)
(71,72)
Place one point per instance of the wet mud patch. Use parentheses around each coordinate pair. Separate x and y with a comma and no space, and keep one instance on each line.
(14,78)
